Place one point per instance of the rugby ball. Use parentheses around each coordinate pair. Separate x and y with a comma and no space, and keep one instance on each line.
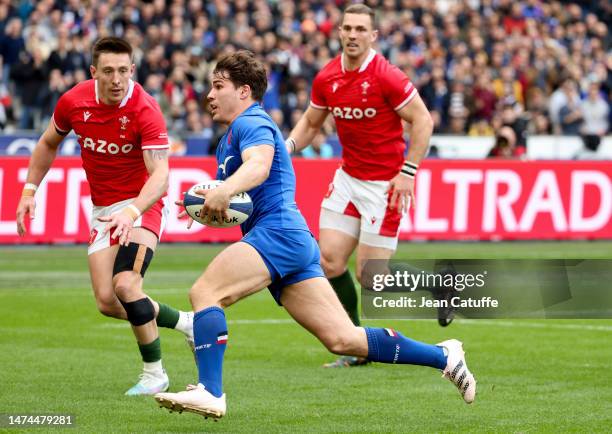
(239,210)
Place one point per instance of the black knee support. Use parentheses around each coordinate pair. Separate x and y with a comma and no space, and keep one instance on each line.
(139,312)
(133,257)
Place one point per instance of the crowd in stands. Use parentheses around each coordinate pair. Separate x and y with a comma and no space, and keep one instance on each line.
(539,67)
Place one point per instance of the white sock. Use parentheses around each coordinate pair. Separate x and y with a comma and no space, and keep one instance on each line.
(185,322)
(154,367)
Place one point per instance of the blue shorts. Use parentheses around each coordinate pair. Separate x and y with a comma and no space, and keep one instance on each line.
(290,255)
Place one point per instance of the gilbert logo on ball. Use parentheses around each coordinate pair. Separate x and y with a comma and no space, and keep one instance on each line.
(239,210)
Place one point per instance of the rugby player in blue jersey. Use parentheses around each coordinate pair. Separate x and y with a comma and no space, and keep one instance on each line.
(277,251)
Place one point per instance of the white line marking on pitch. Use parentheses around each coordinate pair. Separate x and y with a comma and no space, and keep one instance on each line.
(117,325)
(500,323)
(505,323)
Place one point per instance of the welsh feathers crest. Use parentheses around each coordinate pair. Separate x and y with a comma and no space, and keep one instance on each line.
(124,121)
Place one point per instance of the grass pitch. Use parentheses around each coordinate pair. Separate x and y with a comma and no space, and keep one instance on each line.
(59,355)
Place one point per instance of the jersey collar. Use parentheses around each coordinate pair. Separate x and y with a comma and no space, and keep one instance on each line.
(125,99)
(365,63)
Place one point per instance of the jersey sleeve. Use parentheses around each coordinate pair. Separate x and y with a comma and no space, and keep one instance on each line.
(153,132)
(253,131)
(397,87)
(317,94)
(61,115)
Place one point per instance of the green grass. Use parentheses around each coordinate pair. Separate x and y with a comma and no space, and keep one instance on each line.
(58,355)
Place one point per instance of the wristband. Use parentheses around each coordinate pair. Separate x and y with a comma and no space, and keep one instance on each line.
(291,142)
(409,169)
(29,189)
(132,211)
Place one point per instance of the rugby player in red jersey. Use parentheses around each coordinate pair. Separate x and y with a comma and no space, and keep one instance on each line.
(124,150)
(368,98)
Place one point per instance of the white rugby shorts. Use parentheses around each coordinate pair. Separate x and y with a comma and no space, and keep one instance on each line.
(154,219)
(360,209)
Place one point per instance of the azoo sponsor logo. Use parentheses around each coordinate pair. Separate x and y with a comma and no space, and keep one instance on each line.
(352,112)
(103,147)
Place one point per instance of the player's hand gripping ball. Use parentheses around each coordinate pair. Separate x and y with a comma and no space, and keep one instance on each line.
(239,210)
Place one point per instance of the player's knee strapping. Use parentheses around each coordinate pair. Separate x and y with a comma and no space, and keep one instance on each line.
(133,257)
(139,312)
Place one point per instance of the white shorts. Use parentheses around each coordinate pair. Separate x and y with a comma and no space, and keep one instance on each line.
(360,209)
(154,219)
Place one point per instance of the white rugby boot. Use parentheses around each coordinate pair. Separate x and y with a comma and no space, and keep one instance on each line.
(150,383)
(196,399)
(457,371)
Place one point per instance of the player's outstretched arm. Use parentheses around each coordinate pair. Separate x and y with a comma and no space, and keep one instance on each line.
(254,170)
(40,162)
(156,186)
(420,129)
(306,129)
(156,162)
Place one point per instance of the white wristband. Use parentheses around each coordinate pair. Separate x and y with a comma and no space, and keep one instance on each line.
(291,142)
(29,190)
(135,210)
(409,169)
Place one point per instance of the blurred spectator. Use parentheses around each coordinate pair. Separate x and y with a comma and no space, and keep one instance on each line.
(457,110)
(514,116)
(540,124)
(65,57)
(11,44)
(178,91)
(51,94)
(507,85)
(484,98)
(570,115)
(595,112)
(30,75)
(557,101)
(505,145)
(481,128)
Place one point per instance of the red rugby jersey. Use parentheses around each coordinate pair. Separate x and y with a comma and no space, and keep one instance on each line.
(112,138)
(363,103)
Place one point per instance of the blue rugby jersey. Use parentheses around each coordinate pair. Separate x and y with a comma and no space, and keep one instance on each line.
(274,200)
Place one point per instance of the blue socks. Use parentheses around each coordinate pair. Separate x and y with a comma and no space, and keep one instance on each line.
(384,345)
(210,335)
(389,346)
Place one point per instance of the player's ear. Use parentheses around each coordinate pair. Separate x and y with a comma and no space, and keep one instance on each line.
(132,69)
(245,91)
(92,71)
(374,35)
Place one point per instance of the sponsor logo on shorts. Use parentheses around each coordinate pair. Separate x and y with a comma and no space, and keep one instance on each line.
(330,190)
(92,236)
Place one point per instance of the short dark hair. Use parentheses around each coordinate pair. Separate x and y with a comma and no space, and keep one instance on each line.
(110,44)
(361,9)
(242,67)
